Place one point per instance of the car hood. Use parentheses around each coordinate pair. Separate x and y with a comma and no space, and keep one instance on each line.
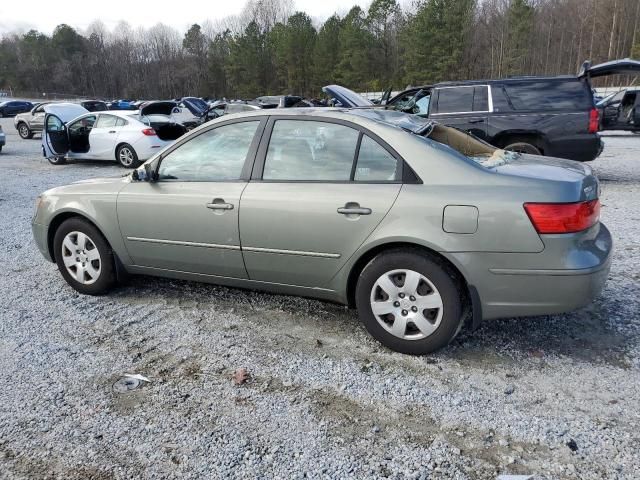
(158,108)
(625,66)
(65,111)
(348,98)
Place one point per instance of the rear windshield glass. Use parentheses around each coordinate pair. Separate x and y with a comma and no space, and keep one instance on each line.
(548,95)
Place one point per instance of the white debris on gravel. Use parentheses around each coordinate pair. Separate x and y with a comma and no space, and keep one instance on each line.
(552,397)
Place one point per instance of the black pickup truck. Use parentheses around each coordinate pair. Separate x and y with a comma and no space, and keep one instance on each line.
(553,116)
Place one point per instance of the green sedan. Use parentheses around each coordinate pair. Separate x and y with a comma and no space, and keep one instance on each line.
(419,226)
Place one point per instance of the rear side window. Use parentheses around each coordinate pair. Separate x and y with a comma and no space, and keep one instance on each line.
(312,151)
(463,99)
(375,164)
(121,122)
(106,121)
(548,95)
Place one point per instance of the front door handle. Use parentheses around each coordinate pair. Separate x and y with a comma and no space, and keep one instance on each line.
(480,120)
(220,204)
(112,131)
(353,208)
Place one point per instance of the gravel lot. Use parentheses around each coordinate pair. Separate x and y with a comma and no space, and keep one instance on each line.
(556,397)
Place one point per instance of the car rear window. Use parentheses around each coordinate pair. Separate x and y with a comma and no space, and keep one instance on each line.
(548,95)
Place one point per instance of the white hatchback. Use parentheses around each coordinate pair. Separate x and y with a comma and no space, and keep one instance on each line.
(128,137)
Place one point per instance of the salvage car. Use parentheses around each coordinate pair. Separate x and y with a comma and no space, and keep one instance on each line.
(621,110)
(14,107)
(127,137)
(3,139)
(29,123)
(95,105)
(416,224)
(553,116)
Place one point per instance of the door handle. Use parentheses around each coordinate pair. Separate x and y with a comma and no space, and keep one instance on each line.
(480,120)
(220,204)
(112,131)
(353,208)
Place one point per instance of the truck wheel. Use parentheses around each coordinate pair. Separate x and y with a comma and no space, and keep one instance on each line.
(523,147)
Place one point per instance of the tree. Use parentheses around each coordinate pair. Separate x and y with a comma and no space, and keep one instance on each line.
(520,24)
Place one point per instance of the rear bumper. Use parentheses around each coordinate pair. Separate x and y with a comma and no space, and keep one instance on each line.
(567,275)
(583,148)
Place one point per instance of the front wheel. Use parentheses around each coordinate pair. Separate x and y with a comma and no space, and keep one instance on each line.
(57,160)
(409,302)
(84,257)
(24,131)
(127,156)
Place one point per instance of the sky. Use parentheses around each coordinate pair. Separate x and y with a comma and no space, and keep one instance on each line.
(44,15)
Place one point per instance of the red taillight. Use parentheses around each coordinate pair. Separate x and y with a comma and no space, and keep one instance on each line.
(563,217)
(594,120)
(149,132)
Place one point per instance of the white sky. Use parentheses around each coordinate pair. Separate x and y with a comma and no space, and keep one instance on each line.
(44,15)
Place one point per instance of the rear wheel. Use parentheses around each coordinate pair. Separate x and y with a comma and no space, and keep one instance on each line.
(409,302)
(127,156)
(24,131)
(84,257)
(523,147)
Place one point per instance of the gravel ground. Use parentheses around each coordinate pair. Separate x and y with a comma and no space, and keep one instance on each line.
(555,397)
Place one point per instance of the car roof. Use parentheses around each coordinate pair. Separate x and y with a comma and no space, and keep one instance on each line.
(559,78)
(357,115)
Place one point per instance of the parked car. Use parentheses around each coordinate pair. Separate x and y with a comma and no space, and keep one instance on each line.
(553,116)
(29,123)
(95,105)
(8,109)
(621,110)
(122,104)
(3,139)
(126,137)
(415,226)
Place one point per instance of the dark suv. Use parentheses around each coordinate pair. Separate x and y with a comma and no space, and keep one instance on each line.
(553,116)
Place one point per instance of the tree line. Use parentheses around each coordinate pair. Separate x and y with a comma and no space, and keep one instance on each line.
(272,49)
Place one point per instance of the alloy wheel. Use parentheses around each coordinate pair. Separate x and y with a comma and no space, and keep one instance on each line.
(406,304)
(24,131)
(81,258)
(126,156)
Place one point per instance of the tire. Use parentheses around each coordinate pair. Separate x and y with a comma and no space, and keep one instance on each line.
(444,314)
(57,160)
(127,157)
(523,147)
(73,245)
(24,131)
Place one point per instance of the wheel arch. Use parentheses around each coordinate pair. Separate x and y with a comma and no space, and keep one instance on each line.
(536,138)
(56,221)
(470,295)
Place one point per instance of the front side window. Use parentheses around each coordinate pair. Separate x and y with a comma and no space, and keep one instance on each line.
(311,151)
(213,156)
(375,164)
(455,100)
(82,126)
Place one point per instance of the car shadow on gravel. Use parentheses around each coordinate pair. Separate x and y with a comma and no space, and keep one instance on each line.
(594,334)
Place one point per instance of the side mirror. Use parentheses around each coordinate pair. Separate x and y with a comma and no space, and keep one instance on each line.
(150,172)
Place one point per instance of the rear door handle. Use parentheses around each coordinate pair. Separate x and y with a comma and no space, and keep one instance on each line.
(112,131)
(353,208)
(220,204)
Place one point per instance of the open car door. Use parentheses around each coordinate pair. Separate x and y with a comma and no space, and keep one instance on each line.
(55,136)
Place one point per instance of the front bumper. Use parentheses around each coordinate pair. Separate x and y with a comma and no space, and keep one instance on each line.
(567,275)
(40,236)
